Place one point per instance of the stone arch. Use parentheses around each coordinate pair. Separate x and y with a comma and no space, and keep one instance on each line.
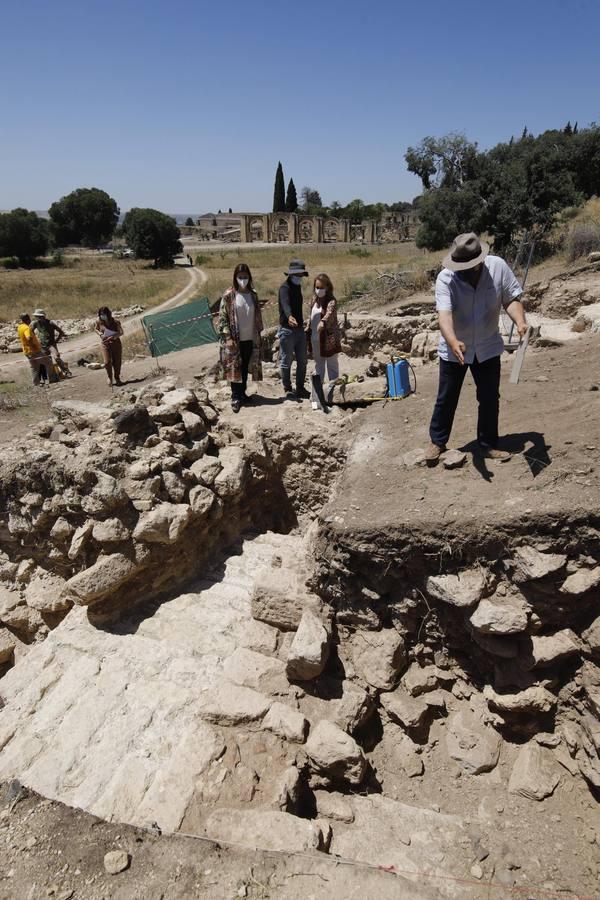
(280,229)
(306,231)
(256,230)
(331,230)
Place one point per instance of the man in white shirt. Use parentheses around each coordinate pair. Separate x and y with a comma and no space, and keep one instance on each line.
(470,291)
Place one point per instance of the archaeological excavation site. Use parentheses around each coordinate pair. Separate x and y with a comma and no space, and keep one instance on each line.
(281,638)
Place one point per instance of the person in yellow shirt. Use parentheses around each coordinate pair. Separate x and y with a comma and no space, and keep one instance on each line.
(33,349)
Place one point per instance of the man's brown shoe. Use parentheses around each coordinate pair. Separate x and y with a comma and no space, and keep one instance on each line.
(433,453)
(493,453)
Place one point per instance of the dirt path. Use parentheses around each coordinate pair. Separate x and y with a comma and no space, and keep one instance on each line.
(84,343)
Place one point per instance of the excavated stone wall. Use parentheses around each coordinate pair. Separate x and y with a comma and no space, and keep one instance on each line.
(108,505)
(506,617)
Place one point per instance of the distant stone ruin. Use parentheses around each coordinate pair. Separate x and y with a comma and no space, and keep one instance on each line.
(300,228)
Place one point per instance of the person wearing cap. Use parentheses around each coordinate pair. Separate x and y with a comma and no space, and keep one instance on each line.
(32,348)
(292,337)
(470,291)
(48,332)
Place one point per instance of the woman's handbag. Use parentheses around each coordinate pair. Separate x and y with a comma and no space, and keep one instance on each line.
(330,342)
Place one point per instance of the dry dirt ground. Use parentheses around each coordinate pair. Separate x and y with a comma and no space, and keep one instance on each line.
(551,423)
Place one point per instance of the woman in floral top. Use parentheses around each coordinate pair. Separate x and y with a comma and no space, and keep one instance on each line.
(324,334)
(240,327)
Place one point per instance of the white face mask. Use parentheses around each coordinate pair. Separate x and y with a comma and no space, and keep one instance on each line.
(320,292)
(296,279)
(243,282)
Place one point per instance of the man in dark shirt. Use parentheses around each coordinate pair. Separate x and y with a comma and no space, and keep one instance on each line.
(292,337)
(47,332)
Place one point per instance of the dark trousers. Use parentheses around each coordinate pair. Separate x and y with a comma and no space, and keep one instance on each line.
(486,376)
(238,388)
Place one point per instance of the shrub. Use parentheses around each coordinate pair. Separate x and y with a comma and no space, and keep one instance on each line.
(9,262)
(58,258)
(359,251)
(201,259)
(583,239)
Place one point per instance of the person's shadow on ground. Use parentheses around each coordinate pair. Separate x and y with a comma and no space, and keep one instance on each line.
(259,400)
(531,444)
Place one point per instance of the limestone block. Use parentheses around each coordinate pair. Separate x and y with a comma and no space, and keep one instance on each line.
(116,861)
(165,414)
(146,489)
(180,398)
(45,593)
(163,524)
(310,648)
(202,500)
(110,531)
(353,708)
(209,414)
(402,707)
(206,469)
(255,670)
(266,828)
(194,424)
(462,590)
(501,614)
(592,637)
(379,657)
(454,459)
(278,599)
(140,470)
(81,413)
(101,580)
(288,723)
(15,613)
(260,637)
(62,531)
(532,700)
(335,753)
(474,746)
(505,647)
(422,679)
(332,805)
(233,476)
(107,494)
(552,648)
(231,704)
(535,773)
(80,539)
(531,564)
(7,646)
(582,581)
(174,486)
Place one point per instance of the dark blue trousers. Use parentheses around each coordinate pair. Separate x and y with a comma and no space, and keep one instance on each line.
(486,376)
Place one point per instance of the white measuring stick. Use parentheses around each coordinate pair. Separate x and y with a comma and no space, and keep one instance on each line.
(519,357)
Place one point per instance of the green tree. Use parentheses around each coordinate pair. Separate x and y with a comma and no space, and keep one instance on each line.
(291,198)
(189,221)
(87,216)
(442,162)
(311,200)
(279,190)
(445,212)
(152,235)
(23,234)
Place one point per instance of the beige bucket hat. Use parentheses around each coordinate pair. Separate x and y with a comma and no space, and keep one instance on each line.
(466,252)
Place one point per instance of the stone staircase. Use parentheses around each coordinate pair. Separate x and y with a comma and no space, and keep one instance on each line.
(122,722)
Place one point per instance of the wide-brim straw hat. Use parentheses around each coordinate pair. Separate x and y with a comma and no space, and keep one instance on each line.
(296,267)
(39,312)
(466,252)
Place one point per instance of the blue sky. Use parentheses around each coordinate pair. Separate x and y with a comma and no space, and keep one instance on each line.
(188,106)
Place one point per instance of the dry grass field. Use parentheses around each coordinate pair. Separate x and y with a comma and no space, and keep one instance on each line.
(83,284)
(350,268)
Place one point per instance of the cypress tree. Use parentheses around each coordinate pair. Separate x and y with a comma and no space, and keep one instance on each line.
(291,199)
(568,130)
(279,191)
(576,128)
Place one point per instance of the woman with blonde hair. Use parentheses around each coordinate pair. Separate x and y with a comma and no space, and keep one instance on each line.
(324,334)
(240,327)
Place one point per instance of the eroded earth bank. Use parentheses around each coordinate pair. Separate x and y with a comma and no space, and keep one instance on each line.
(282,633)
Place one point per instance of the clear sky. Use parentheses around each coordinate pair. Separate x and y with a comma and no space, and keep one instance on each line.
(187,105)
